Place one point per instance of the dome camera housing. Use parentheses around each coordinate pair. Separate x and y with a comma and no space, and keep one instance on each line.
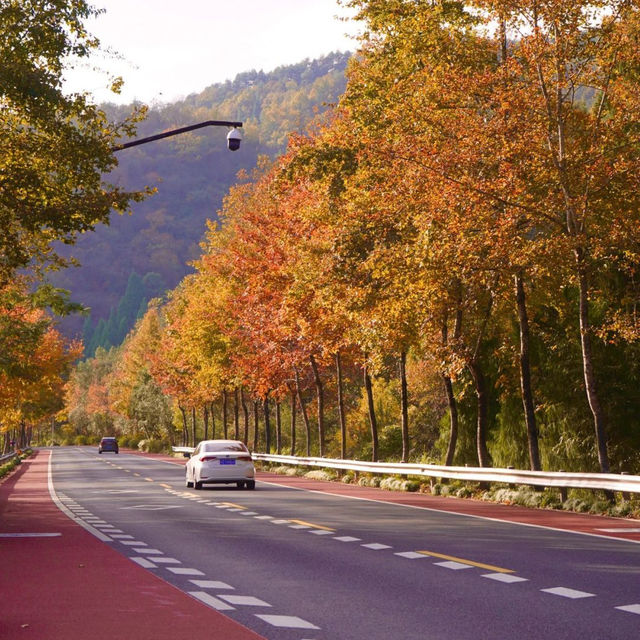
(234,138)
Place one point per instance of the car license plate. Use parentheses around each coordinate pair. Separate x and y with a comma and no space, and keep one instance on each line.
(227,461)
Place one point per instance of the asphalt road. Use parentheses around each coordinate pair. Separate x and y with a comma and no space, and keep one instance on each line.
(302,565)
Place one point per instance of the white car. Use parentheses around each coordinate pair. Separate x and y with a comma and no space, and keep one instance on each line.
(220,461)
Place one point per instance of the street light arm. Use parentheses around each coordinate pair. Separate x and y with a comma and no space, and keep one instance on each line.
(175,132)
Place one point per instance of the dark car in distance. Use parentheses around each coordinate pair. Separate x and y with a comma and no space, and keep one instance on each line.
(108,444)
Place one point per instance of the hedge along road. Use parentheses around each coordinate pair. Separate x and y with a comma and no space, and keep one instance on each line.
(305,564)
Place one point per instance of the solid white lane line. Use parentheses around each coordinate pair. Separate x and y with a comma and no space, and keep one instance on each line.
(29,535)
(412,555)
(631,608)
(568,593)
(504,577)
(207,599)
(451,513)
(143,562)
(211,584)
(376,546)
(289,622)
(185,571)
(248,601)
(619,530)
(455,566)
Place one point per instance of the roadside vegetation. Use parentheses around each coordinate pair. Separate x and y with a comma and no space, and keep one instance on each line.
(442,269)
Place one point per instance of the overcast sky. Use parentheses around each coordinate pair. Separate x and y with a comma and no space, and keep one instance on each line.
(171,48)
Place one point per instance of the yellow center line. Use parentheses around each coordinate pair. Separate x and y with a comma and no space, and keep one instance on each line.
(490,567)
(315,526)
(232,504)
(166,486)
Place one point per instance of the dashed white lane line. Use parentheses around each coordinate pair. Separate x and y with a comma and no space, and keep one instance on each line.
(346,539)
(504,577)
(264,517)
(455,566)
(211,584)
(147,551)
(631,608)
(249,513)
(376,546)
(165,560)
(412,555)
(247,601)
(300,526)
(185,571)
(568,593)
(280,521)
(143,562)
(122,536)
(289,622)
(321,532)
(209,600)
(133,543)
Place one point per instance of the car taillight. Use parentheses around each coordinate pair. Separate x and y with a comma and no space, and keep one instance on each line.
(208,458)
(244,458)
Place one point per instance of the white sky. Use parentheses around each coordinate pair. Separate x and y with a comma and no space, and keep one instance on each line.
(170,49)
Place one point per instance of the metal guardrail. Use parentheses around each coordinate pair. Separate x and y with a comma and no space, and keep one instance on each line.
(561,479)
(7,457)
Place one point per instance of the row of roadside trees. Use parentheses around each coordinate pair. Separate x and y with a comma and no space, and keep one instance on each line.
(446,266)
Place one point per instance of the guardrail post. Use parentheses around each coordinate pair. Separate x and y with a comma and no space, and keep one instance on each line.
(563,490)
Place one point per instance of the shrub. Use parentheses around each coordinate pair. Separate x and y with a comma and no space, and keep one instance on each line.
(80,440)
(321,474)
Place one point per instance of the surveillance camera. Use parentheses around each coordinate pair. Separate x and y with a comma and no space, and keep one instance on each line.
(234,138)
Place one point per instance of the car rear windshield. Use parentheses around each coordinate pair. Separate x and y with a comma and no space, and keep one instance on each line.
(225,447)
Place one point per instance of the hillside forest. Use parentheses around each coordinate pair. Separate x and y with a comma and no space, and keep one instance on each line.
(443,267)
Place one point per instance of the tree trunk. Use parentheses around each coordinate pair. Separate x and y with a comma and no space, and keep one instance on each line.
(292,401)
(185,428)
(453,419)
(320,396)
(525,377)
(205,419)
(341,416)
(245,411)
(599,419)
(255,425)
(213,422)
(278,429)
(267,424)
(303,410)
(225,414)
(483,410)
(236,413)
(372,414)
(193,425)
(448,387)
(404,402)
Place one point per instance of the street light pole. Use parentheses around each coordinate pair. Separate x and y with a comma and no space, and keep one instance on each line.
(175,132)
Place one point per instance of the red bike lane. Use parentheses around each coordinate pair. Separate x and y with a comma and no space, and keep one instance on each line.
(59,582)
